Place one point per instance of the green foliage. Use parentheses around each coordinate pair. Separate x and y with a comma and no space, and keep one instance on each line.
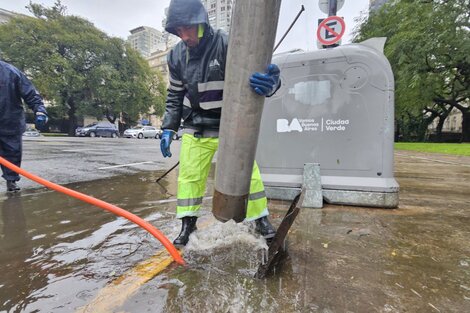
(80,69)
(428,47)
(446,148)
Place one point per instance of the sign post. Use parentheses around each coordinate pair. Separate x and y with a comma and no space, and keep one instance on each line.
(332,7)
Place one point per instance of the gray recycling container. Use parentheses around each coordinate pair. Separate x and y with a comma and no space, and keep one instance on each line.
(336,108)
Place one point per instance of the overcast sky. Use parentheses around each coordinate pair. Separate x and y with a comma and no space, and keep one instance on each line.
(117,17)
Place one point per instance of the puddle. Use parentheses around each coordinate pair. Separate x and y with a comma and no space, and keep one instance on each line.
(57,253)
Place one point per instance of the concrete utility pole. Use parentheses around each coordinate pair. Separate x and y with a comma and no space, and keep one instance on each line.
(251,43)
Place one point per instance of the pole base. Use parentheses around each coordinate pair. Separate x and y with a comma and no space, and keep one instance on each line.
(226,208)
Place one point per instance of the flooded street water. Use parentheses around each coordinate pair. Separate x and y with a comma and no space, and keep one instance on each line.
(60,255)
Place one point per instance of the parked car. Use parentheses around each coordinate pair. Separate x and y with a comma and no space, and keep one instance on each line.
(141,132)
(98,130)
(79,129)
(31,132)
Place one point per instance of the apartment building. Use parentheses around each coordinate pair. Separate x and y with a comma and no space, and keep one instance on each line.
(146,39)
(220,13)
(157,61)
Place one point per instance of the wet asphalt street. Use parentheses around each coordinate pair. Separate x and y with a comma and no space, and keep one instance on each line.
(65,160)
(60,255)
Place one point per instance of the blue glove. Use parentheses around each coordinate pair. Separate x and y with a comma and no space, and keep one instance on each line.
(266,84)
(41,120)
(165,141)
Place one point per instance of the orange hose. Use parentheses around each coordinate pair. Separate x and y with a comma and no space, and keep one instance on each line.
(104,205)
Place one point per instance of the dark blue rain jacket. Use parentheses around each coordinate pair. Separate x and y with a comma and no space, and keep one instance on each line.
(14,86)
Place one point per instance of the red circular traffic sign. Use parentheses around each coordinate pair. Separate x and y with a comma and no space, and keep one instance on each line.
(327,32)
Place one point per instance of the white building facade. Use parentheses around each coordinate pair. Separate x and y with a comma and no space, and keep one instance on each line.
(146,40)
(452,124)
(220,13)
(6,15)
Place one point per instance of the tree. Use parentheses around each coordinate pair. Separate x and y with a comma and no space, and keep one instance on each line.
(79,68)
(125,85)
(429,49)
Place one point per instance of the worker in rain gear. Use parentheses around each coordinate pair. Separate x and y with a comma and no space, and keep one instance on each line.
(14,86)
(197,69)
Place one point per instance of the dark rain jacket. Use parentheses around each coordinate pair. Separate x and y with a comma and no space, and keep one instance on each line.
(14,86)
(196,74)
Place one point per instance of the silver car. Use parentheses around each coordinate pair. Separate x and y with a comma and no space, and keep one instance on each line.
(31,132)
(141,132)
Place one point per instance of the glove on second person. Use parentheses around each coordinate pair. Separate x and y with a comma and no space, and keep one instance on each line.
(40,120)
(165,142)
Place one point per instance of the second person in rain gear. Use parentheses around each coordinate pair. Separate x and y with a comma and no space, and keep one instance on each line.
(197,70)
(14,88)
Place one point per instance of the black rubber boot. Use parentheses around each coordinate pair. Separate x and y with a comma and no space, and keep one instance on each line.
(12,186)
(264,228)
(187,227)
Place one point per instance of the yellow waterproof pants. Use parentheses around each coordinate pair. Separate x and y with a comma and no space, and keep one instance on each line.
(195,162)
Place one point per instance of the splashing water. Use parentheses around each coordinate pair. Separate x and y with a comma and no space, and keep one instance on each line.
(220,235)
